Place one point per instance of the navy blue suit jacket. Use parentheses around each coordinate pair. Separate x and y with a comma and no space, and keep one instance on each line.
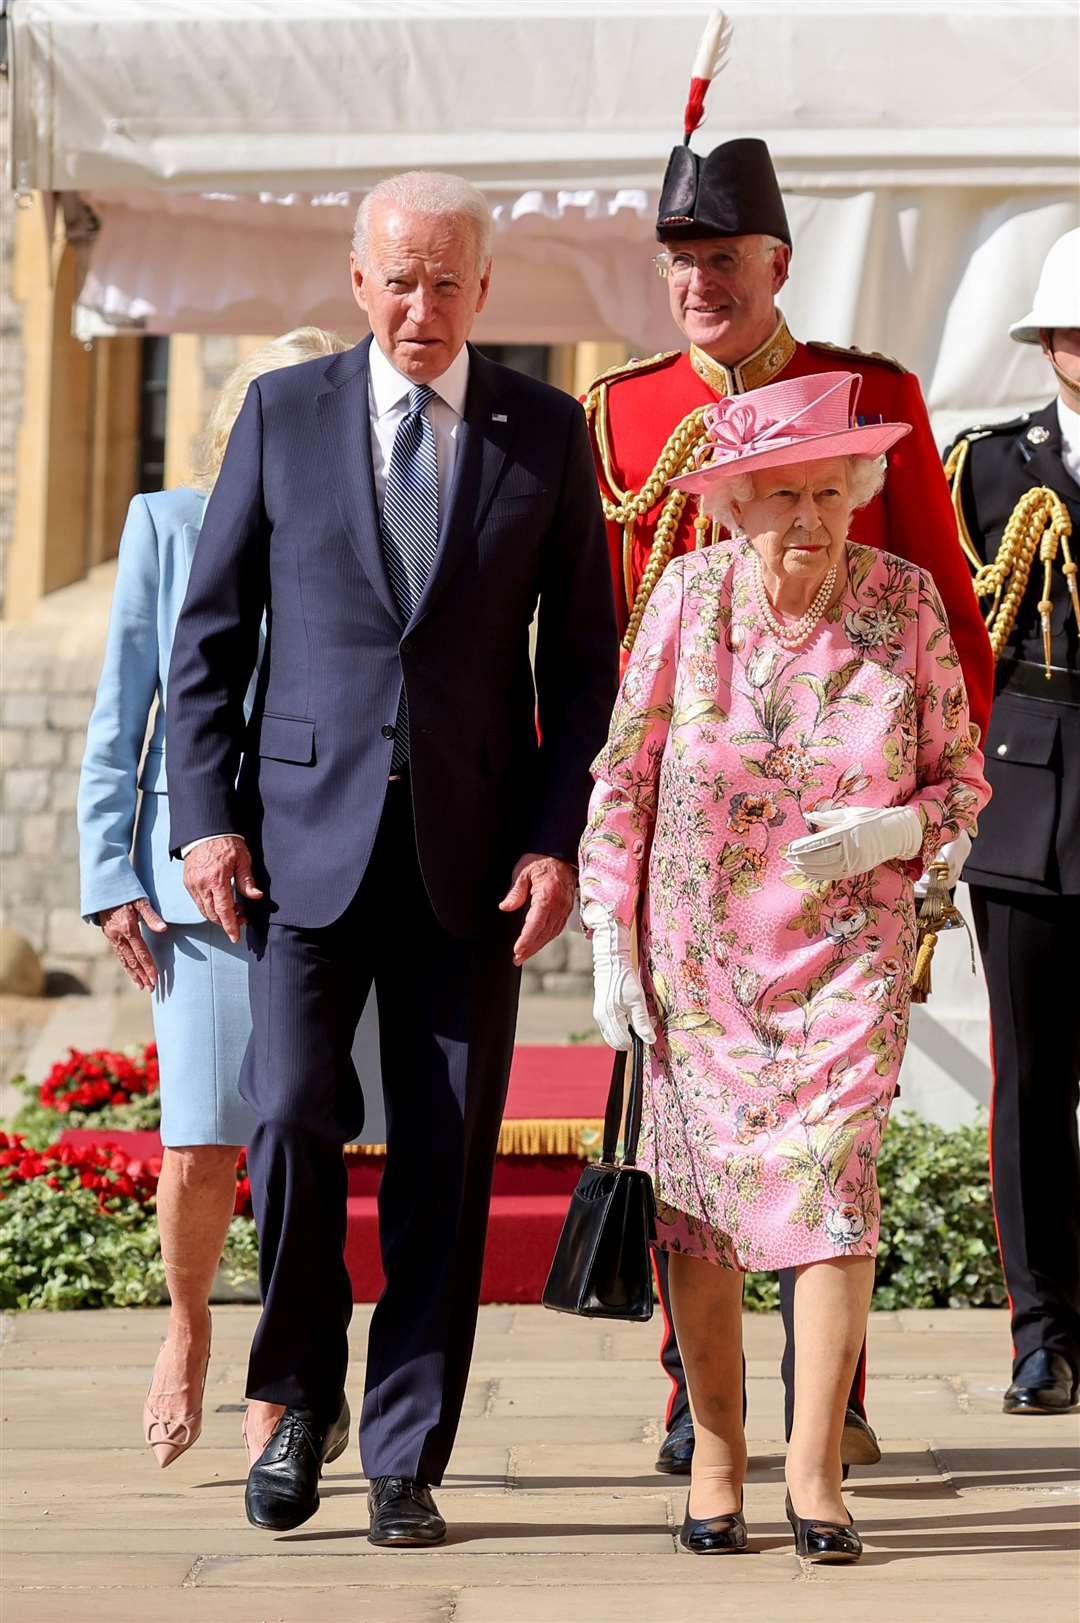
(292,529)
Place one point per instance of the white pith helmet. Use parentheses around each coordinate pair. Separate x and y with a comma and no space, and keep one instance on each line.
(1057,297)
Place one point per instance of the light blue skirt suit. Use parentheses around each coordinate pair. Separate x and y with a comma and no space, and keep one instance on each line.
(200,1004)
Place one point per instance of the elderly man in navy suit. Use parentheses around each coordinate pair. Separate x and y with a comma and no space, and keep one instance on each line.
(397,512)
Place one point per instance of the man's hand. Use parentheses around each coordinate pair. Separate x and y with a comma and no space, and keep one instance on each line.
(120,926)
(212,872)
(548,885)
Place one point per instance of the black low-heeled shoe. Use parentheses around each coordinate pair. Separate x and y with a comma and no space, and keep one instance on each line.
(677,1450)
(816,1540)
(282,1489)
(713,1535)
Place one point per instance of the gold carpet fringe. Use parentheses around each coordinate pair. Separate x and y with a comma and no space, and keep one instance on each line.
(576,1136)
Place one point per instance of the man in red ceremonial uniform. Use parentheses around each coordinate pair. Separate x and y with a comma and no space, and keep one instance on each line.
(726,252)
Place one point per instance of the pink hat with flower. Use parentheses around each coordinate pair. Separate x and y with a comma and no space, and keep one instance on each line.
(798,420)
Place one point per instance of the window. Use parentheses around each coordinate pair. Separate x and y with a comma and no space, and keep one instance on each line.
(153,391)
(532,359)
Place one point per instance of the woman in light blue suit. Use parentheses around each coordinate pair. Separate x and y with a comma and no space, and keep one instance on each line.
(196,976)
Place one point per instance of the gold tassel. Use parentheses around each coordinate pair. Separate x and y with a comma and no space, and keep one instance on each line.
(924,957)
(936,913)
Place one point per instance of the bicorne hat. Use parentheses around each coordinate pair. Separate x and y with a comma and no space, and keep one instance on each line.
(730,192)
(805,419)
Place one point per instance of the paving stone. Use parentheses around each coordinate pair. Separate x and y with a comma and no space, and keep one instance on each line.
(973,1321)
(556,1396)
(1053,1468)
(555,1510)
(796,1600)
(189,1605)
(108,1569)
(451,1566)
(923,1352)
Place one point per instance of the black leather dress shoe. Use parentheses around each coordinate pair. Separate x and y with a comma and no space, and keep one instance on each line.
(823,1541)
(283,1485)
(713,1535)
(677,1450)
(1044,1383)
(858,1443)
(403,1512)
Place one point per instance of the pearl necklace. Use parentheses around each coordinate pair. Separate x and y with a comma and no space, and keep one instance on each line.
(791,635)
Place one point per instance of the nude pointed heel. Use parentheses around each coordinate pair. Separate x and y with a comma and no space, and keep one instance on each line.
(168,1439)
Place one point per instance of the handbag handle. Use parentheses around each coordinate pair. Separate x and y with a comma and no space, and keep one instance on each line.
(613,1111)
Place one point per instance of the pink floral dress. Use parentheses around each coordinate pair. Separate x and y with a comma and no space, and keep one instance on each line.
(781,1005)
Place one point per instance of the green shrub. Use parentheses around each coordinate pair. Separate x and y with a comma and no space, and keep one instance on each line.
(938,1246)
(40,1125)
(240,1259)
(60,1249)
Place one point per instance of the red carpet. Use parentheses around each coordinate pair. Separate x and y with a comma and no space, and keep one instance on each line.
(554,1111)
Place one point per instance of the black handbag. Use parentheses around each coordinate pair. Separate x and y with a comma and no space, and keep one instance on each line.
(602,1266)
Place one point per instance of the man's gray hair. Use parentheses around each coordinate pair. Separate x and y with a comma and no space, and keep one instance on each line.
(425,191)
(866,475)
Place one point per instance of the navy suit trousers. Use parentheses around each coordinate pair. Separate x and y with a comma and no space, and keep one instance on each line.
(447,1011)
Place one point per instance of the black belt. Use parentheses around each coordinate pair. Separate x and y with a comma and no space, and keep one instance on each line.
(1036,682)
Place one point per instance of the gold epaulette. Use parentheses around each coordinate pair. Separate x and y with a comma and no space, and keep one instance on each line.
(630,368)
(859,354)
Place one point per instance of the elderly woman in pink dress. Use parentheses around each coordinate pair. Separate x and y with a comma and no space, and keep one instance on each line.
(789,751)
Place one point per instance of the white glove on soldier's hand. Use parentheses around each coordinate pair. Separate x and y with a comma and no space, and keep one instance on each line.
(619,1002)
(855,840)
(954,855)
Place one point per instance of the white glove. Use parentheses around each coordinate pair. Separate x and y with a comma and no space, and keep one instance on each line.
(855,840)
(619,1002)
(954,855)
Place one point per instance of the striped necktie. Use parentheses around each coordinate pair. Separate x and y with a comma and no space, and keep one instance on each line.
(410,527)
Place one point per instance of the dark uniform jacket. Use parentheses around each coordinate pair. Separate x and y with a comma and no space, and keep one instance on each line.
(1029,835)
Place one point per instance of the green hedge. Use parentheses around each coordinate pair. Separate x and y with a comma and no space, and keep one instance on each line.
(58,1249)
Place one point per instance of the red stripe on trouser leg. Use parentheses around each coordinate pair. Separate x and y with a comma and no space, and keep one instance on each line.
(990,1163)
(669,1332)
(858,1384)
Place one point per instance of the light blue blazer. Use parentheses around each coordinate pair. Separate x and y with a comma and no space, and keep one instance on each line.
(124,845)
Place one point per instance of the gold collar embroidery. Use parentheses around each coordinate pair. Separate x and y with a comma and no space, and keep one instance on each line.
(757,369)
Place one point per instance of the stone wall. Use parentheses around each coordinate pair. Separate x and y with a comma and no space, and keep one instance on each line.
(563,967)
(11,349)
(44,709)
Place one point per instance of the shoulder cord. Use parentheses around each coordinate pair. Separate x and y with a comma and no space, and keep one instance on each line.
(626,507)
(1039,523)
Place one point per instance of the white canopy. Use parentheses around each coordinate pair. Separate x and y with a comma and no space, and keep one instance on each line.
(928,154)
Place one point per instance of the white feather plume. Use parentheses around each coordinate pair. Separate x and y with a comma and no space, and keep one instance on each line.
(712,52)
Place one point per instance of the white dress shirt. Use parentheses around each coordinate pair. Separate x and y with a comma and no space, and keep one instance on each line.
(1069,423)
(388,399)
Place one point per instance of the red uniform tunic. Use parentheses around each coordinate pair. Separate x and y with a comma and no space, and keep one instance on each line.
(639,411)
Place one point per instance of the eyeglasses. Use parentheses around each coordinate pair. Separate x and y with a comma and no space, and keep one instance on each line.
(723,264)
